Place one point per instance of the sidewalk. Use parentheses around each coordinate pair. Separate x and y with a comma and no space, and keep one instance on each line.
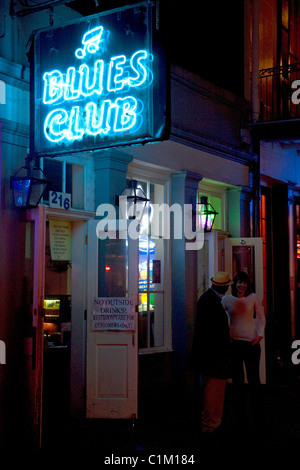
(165,427)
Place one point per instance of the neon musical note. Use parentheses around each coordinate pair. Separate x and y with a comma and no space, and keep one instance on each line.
(90,41)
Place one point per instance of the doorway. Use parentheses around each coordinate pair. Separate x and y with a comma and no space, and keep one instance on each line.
(57,322)
(245,254)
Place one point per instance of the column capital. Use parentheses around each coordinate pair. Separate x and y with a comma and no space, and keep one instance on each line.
(115,160)
(110,175)
(191,179)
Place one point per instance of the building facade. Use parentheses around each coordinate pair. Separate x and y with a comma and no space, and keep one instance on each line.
(275,142)
(217,143)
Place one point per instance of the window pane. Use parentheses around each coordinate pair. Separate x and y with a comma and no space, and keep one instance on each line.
(75,184)
(157,319)
(243,260)
(69,178)
(143,321)
(157,265)
(53,170)
(147,250)
(216,203)
(113,256)
(150,264)
(151,290)
(151,320)
(151,311)
(157,197)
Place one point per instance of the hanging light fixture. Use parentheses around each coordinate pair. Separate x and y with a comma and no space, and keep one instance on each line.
(28,185)
(207,214)
(132,201)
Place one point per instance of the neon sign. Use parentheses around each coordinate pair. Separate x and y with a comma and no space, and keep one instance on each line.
(102,89)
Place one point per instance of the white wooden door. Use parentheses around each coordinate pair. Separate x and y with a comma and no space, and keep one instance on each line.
(112,356)
(246,254)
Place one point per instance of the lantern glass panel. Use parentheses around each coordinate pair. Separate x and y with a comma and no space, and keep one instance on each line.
(21,188)
(37,189)
(132,201)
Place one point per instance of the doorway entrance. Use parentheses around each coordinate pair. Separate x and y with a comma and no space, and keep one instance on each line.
(63,321)
(57,322)
(222,253)
(245,254)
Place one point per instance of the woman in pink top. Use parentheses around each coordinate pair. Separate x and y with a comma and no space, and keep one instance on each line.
(247,325)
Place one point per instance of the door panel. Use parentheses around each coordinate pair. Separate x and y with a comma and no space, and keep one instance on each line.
(112,381)
(245,254)
(111,378)
(112,356)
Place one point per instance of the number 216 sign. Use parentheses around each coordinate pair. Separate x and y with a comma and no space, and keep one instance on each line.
(59,200)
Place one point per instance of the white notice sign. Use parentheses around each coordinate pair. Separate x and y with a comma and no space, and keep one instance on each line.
(113,313)
(60,240)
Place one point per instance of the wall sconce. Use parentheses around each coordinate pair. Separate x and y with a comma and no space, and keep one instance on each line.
(132,201)
(207,214)
(28,185)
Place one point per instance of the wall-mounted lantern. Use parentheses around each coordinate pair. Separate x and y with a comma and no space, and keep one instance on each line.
(28,185)
(207,214)
(132,201)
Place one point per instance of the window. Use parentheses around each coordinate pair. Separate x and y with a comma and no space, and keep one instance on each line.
(65,177)
(152,308)
(53,170)
(216,196)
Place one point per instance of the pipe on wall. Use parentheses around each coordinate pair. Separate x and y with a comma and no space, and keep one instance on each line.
(255,98)
(255,89)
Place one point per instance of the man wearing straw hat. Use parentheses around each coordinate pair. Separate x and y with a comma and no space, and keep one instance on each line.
(210,351)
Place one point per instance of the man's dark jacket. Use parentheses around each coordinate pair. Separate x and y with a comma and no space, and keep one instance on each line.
(211,344)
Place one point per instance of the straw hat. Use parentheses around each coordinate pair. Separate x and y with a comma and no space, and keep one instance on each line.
(221,278)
